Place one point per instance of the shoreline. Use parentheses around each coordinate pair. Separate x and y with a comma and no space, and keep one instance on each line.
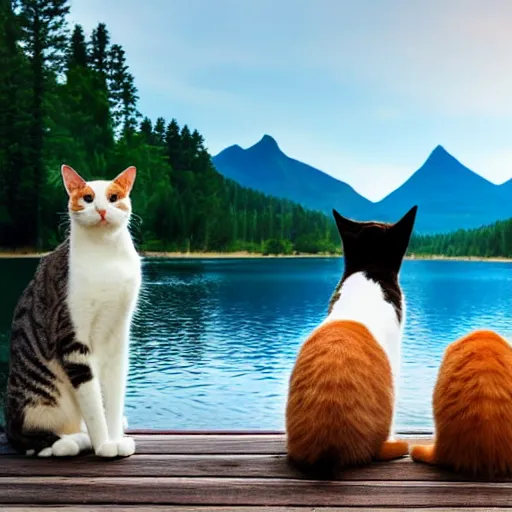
(248,255)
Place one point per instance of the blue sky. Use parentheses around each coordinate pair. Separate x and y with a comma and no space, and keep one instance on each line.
(361,89)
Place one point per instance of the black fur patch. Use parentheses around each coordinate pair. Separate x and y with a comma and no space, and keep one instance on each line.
(376,249)
(75,346)
(22,441)
(78,373)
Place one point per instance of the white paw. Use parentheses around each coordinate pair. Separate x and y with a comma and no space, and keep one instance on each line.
(107,449)
(45,452)
(30,452)
(65,447)
(126,447)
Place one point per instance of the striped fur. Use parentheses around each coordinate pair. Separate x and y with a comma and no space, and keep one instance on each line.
(69,337)
(41,334)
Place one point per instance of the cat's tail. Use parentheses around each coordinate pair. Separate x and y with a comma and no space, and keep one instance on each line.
(392,449)
(423,453)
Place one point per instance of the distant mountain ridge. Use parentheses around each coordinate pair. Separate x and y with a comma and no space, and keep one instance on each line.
(450,196)
(264,167)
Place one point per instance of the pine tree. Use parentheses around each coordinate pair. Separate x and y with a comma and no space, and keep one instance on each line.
(146,130)
(123,93)
(173,145)
(159,131)
(77,55)
(44,34)
(99,50)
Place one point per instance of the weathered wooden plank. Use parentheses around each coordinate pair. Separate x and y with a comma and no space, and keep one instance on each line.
(209,444)
(181,508)
(212,444)
(217,444)
(195,444)
(259,492)
(243,466)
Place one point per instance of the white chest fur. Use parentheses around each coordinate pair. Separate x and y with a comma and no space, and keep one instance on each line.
(104,282)
(362,300)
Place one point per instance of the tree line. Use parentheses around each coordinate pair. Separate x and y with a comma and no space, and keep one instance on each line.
(485,242)
(70,98)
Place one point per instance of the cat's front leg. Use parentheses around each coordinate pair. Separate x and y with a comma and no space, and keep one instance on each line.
(80,367)
(113,383)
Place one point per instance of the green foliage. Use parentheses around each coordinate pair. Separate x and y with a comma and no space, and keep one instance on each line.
(276,246)
(67,98)
(486,242)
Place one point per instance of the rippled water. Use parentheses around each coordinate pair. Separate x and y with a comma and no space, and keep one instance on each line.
(215,340)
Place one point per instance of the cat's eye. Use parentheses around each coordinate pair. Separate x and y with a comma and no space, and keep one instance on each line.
(88,198)
(113,198)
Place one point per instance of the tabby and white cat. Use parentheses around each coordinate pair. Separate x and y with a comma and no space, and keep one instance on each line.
(341,402)
(70,331)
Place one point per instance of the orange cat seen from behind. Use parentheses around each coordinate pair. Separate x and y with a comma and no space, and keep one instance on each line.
(473,408)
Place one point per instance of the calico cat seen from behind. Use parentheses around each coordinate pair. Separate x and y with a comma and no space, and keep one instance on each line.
(340,409)
(473,408)
(69,338)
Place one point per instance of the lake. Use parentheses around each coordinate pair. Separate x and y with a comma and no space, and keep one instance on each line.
(214,341)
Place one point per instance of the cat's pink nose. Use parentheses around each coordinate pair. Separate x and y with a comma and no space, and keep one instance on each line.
(102,213)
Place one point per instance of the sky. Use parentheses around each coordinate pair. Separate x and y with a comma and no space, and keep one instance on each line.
(361,89)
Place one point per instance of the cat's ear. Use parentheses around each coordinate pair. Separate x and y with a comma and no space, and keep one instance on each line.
(72,180)
(401,231)
(346,227)
(126,179)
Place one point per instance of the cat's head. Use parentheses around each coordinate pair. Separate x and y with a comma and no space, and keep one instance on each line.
(100,204)
(375,245)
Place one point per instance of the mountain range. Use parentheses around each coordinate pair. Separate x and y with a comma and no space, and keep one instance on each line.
(449,195)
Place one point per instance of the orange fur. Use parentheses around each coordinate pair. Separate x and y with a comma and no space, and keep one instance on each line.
(392,450)
(423,453)
(473,408)
(120,192)
(76,187)
(77,194)
(340,401)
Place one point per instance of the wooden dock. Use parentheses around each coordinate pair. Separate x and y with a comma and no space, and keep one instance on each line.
(229,473)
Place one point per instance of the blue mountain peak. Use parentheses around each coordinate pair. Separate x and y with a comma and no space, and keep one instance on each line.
(268,142)
(439,153)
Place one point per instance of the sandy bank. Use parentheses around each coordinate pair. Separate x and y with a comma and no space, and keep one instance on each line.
(243,254)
